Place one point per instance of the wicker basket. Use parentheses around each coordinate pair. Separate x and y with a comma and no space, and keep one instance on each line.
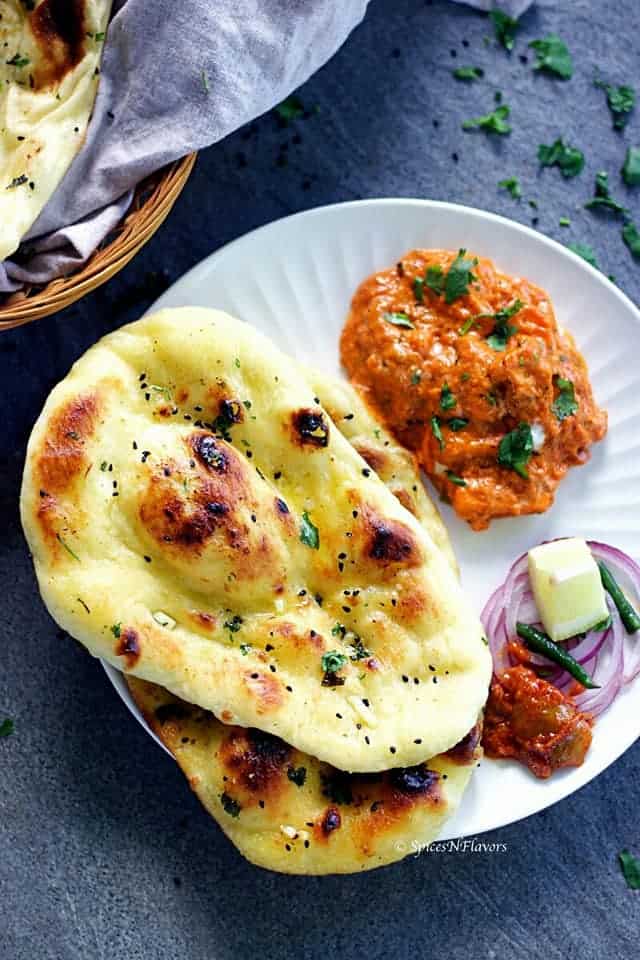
(152,203)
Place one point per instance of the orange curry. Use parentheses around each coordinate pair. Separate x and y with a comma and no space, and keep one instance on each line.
(469,369)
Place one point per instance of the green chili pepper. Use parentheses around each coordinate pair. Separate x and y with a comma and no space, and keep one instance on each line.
(628,613)
(541,643)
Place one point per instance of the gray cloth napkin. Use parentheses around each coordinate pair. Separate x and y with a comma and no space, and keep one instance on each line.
(207,68)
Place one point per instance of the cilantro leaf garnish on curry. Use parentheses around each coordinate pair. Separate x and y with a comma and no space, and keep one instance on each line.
(486,389)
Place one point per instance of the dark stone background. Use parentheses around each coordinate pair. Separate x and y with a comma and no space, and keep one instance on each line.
(103,850)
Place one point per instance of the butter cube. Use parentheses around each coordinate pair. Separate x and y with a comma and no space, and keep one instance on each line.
(567,588)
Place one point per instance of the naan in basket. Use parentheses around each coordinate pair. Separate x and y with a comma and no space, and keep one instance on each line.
(49,74)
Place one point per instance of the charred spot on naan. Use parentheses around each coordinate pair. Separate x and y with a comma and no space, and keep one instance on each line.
(376,459)
(187,504)
(63,456)
(230,411)
(128,646)
(329,822)
(254,762)
(264,689)
(404,497)
(203,620)
(310,428)
(62,460)
(388,542)
(59,29)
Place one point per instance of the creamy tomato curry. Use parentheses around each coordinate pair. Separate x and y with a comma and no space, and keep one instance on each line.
(469,369)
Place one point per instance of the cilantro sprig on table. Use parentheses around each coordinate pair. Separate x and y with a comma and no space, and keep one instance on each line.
(568,159)
(7,727)
(512,184)
(494,122)
(602,197)
(631,168)
(505,27)
(630,867)
(553,56)
(620,100)
(468,74)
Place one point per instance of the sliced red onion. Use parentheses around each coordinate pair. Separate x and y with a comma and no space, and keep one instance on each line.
(610,661)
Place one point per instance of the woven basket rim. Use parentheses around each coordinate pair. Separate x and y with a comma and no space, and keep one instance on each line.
(152,202)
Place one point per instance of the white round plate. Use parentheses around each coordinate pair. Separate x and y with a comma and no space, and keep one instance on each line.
(294,279)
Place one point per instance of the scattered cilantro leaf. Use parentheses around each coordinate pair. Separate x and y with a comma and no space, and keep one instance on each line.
(18,60)
(398,320)
(620,100)
(512,184)
(630,867)
(339,630)
(7,727)
(436,431)
(332,661)
(586,252)
(234,624)
(502,330)
(358,650)
(447,399)
(631,168)
(67,547)
(631,237)
(297,775)
(459,277)
(466,326)
(457,423)
(455,283)
(565,405)
(494,122)
(553,56)
(569,159)
(603,197)
(290,109)
(564,222)
(245,649)
(455,479)
(229,805)
(309,533)
(416,378)
(516,449)
(115,630)
(435,279)
(469,74)
(505,27)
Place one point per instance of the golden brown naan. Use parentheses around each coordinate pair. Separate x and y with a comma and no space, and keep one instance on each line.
(197,520)
(287,811)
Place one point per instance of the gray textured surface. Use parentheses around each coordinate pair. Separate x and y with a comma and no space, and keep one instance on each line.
(103,851)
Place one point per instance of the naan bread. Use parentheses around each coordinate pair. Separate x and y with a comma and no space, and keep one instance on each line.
(197,520)
(49,71)
(283,809)
(395,465)
(287,811)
